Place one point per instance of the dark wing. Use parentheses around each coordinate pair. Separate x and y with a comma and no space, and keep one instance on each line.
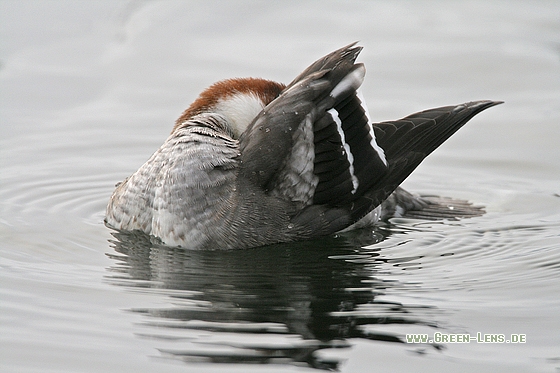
(313,144)
(405,144)
(315,147)
(408,141)
(347,157)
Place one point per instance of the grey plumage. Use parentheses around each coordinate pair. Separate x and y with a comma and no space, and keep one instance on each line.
(310,164)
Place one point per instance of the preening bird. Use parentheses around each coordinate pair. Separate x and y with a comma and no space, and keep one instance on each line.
(254,162)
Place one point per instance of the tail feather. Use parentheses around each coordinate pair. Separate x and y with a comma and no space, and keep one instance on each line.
(445,208)
(404,204)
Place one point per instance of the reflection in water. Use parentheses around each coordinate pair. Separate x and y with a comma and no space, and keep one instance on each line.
(275,304)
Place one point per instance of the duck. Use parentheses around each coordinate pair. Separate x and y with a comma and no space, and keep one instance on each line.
(253,162)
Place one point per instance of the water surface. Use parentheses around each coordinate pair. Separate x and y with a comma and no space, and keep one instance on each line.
(90,89)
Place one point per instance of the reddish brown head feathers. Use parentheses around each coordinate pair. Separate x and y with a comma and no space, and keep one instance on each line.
(264,90)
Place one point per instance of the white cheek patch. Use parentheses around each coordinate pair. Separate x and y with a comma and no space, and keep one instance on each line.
(239,109)
(349,155)
(373,142)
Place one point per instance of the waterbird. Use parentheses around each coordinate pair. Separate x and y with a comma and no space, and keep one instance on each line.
(253,162)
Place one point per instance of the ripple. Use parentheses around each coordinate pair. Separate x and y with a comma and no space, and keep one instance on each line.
(83,196)
(285,303)
(466,256)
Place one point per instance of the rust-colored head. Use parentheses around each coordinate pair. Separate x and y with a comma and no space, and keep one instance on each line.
(239,100)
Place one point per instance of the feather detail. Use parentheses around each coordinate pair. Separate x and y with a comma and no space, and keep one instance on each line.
(253,162)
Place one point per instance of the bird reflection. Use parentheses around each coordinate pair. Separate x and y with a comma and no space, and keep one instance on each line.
(274,304)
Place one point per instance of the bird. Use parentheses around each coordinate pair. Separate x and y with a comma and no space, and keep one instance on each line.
(253,162)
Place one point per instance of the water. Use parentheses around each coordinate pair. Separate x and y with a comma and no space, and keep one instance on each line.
(90,89)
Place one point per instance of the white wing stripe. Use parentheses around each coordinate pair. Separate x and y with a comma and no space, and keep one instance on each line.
(373,142)
(349,156)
